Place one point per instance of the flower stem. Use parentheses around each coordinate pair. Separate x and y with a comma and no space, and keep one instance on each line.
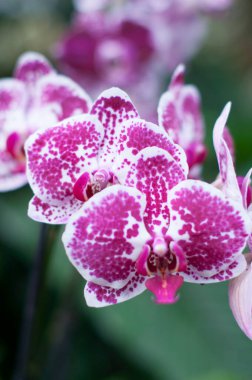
(35,284)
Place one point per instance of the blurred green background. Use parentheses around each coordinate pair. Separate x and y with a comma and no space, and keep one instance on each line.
(195,339)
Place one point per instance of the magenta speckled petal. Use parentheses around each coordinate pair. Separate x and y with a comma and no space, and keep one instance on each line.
(100,296)
(57,156)
(45,213)
(104,238)
(179,113)
(31,67)
(227,172)
(211,230)
(240,300)
(168,117)
(138,134)
(154,172)
(57,98)
(112,108)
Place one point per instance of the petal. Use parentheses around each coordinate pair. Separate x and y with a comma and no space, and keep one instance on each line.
(224,157)
(31,66)
(240,300)
(12,105)
(12,173)
(104,238)
(57,156)
(99,296)
(246,189)
(112,107)
(168,116)
(154,172)
(137,134)
(211,230)
(179,111)
(57,98)
(178,77)
(46,213)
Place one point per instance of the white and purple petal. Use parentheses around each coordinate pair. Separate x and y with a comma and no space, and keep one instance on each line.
(47,213)
(105,237)
(137,134)
(112,107)
(227,172)
(32,66)
(240,299)
(154,172)
(100,296)
(56,98)
(13,99)
(211,229)
(57,157)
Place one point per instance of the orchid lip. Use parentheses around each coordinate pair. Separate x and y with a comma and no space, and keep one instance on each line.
(161,259)
(89,184)
(14,146)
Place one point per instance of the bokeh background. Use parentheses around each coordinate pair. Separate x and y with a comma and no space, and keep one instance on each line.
(195,339)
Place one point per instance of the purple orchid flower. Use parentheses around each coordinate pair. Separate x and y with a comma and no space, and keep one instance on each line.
(234,187)
(179,112)
(101,51)
(70,162)
(36,97)
(238,189)
(156,234)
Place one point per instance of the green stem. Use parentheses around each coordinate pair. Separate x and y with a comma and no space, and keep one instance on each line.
(35,285)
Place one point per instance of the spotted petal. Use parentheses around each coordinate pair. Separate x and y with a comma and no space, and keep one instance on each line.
(137,134)
(99,296)
(224,157)
(112,107)
(154,172)
(211,230)
(179,111)
(46,213)
(57,156)
(105,237)
(57,98)
(31,67)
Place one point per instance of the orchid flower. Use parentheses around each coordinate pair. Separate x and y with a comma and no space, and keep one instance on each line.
(70,162)
(36,97)
(156,234)
(132,44)
(235,188)
(180,114)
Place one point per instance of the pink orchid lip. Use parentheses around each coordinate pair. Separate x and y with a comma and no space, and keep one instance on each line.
(165,288)
(14,146)
(89,184)
(162,258)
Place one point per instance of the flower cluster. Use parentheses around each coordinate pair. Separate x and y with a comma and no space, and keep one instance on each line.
(134,218)
(35,97)
(132,44)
